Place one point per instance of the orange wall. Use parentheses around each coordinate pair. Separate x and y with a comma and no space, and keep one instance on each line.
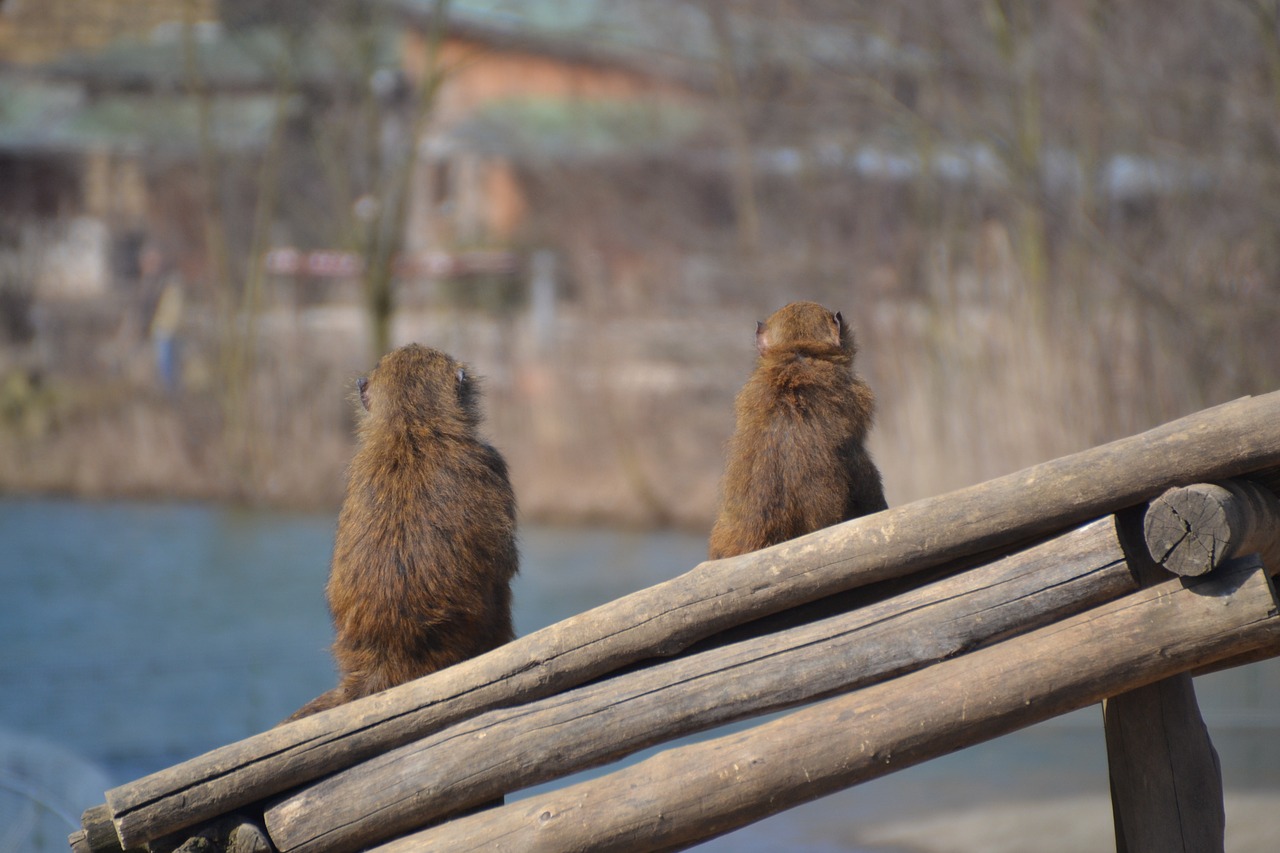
(488,202)
(481,74)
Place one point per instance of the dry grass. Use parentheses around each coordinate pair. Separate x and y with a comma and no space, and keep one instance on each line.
(621,417)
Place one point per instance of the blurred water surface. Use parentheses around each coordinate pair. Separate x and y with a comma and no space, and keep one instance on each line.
(134,636)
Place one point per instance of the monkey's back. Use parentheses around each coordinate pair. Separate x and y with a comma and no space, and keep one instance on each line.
(423,558)
(796,460)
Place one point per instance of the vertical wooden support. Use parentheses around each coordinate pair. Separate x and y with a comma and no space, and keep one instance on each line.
(1166,783)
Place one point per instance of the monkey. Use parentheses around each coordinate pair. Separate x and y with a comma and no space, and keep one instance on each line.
(425,548)
(797,460)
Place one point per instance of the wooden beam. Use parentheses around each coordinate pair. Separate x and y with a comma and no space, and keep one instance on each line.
(1166,782)
(505,750)
(695,792)
(1225,441)
(1192,530)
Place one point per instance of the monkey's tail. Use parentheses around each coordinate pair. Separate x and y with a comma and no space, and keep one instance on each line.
(329,699)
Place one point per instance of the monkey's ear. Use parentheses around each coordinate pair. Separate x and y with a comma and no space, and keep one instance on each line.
(842,328)
(762,337)
(362,386)
(463,388)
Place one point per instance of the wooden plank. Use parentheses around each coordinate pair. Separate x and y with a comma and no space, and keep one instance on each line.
(1166,782)
(460,767)
(695,792)
(1222,442)
(1193,529)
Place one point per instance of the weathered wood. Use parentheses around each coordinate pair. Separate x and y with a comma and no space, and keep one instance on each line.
(1191,530)
(691,793)
(1166,786)
(1268,478)
(460,766)
(1166,782)
(230,834)
(248,838)
(97,833)
(1225,441)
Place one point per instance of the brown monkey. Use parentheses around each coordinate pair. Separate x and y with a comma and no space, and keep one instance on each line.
(425,548)
(797,461)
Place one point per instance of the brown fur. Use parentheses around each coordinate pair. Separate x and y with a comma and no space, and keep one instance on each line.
(425,548)
(797,461)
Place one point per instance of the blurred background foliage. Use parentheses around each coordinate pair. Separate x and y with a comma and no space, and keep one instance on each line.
(1051,224)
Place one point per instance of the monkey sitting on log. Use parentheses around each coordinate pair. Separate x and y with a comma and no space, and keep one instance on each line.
(425,548)
(797,460)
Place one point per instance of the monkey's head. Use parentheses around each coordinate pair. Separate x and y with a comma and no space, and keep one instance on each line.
(419,385)
(807,328)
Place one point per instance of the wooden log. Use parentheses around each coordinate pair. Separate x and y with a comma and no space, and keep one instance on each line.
(1137,757)
(460,766)
(230,834)
(97,833)
(248,837)
(1166,782)
(695,792)
(1225,441)
(1191,530)
(1268,478)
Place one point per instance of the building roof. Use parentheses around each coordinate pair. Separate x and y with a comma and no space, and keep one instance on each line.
(244,61)
(52,116)
(135,91)
(661,38)
(670,38)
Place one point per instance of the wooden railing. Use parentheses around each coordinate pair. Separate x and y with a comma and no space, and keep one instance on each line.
(904,635)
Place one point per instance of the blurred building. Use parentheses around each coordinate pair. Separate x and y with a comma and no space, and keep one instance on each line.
(647,142)
(39,32)
(100,135)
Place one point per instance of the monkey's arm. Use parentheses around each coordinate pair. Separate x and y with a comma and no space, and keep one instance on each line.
(866,491)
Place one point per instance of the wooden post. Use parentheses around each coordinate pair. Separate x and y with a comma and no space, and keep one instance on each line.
(1193,529)
(1225,441)
(505,750)
(1166,782)
(695,792)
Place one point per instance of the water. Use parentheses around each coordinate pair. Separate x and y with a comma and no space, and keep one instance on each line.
(134,636)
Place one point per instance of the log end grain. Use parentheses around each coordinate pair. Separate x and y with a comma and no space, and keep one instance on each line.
(97,833)
(1191,530)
